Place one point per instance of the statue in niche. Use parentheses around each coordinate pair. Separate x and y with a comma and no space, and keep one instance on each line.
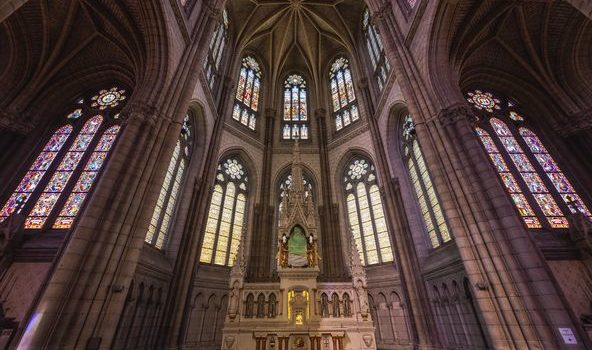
(362,297)
(312,253)
(282,252)
(234,300)
(297,248)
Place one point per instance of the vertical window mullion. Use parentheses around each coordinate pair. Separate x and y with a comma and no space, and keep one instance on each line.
(231,230)
(373,223)
(359,213)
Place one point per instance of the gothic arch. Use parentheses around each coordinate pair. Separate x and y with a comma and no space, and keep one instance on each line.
(308,171)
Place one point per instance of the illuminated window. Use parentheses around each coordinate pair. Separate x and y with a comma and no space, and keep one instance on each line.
(365,212)
(216,50)
(343,97)
(431,210)
(226,215)
(247,93)
(540,191)
(375,49)
(169,192)
(295,121)
(55,188)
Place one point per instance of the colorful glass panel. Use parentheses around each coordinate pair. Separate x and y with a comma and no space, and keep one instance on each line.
(295,108)
(86,179)
(558,179)
(36,172)
(247,93)
(59,180)
(342,93)
(522,206)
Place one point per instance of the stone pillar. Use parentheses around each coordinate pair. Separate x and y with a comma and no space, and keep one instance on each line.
(499,256)
(422,325)
(333,265)
(8,7)
(84,297)
(576,139)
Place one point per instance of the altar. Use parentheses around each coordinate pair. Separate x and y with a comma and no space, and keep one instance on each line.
(299,312)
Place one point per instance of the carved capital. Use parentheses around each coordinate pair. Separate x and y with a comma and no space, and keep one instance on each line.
(140,112)
(320,113)
(453,114)
(578,122)
(382,13)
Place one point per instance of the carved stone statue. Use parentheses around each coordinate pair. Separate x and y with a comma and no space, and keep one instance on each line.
(234,300)
(362,297)
(312,253)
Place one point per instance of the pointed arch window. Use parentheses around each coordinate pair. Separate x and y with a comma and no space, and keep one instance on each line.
(429,204)
(295,121)
(343,96)
(365,212)
(216,51)
(246,102)
(540,191)
(60,179)
(380,65)
(169,192)
(226,216)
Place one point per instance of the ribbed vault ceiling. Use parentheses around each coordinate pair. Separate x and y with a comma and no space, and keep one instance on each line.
(296,34)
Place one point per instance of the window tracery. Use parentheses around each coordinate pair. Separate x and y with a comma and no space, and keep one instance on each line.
(226,214)
(216,50)
(295,121)
(66,170)
(167,198)
(343,96)
(247,93)
(429,204)
(286,184)
(380,64)
(535,183)
(365,212)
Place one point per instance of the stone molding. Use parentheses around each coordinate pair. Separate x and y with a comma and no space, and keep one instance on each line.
(453,114)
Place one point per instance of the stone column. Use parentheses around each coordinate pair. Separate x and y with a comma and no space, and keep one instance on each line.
(499,256)
(8,7)
(332,249)
(83,300)
(259,266)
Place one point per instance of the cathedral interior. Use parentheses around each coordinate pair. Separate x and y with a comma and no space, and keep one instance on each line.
(296,174)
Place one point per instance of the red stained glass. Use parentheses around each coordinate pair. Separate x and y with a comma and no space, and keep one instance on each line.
(247,93)
(86,180)
(59,180)
(32,178)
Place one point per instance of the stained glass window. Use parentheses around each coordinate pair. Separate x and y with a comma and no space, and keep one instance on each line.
(375,49)
(343,97)
(63,173)
(365,212)
(216,50)
(534,181)
(226,215)
(429,204)
(169,192)
(247,93)
(295,121)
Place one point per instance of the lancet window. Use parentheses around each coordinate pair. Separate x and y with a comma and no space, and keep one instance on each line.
(216,51)
(380,65)
(539,189)
(246,103)
(226,215)
(295,121)
(58,182)
(429,204)
(343,96)
(365,212)
(169,192)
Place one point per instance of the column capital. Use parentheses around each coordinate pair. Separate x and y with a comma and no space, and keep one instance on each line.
(141,112)
(452,114)
(383,10)
(270,113)
(320,113)
(577,122)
